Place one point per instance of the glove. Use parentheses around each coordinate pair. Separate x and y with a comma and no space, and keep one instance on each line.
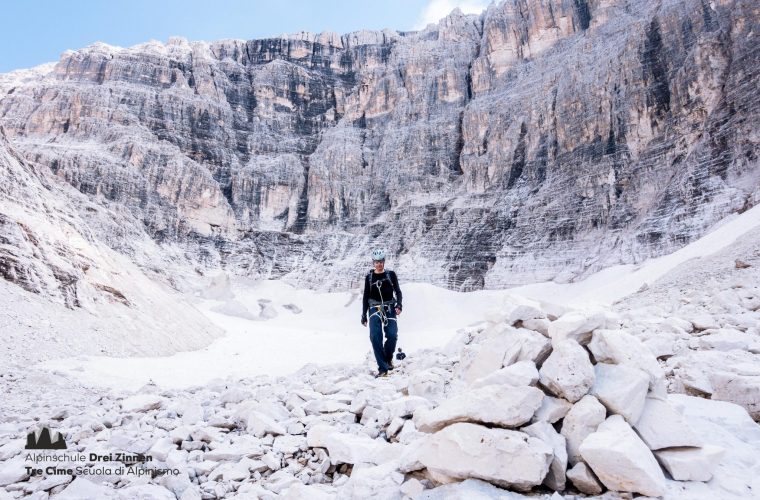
(364,321)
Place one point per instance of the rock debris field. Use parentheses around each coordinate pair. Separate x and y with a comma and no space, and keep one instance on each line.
(536,402)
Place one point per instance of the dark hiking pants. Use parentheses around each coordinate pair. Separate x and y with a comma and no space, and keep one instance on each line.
(383,325)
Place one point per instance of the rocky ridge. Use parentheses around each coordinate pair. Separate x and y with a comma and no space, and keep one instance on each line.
(67,291)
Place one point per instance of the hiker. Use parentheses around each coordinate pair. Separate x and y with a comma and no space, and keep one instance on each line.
(380,286)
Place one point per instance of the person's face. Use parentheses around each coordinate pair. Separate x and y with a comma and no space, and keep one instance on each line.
(379,265)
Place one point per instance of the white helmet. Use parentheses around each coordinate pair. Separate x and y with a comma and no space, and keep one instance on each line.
(378,254)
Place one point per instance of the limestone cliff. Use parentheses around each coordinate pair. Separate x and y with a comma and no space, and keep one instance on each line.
(540,140)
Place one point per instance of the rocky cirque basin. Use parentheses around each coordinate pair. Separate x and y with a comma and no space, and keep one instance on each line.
(540,399)
(538,141)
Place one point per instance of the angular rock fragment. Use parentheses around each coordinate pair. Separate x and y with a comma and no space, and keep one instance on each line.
(507,458)
(501,405)
(568,372)
(621,460)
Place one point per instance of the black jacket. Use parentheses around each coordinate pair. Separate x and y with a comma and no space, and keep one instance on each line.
(388,287)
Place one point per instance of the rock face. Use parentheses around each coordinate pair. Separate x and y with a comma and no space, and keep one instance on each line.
(55,260)
(446,145)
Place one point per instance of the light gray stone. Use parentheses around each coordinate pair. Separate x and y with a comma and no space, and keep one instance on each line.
(522,373)
(582,419)
(568,372)
(584,479)
(661,426)
(622,389)
(503,405)
(555,478)
(691,464)
(621,460)
(506,458)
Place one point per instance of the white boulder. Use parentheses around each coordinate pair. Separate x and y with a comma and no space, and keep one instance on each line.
(11,449)
(144,492)
(691,464)
(318,406)
(356,449)
(316,436)
(552,410)
(486,357)
(289,444)
(13,471)
(161,448)
(540,325)
(522,373)
(405,406)
(582,419)
(621,348)
(576,325)
(568,372)
(503,457)
(524,312)
(299,491)
(260,424)
(142,403)
(501,405)
(381,482)
(584,479)
(280,481)
(527,345)
(555,478)
(428,384)
(622,389)
(412,488)
(82,488)
(621,460)
(740,388)
(661,426)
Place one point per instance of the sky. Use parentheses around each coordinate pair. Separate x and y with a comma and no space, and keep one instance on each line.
(38,31)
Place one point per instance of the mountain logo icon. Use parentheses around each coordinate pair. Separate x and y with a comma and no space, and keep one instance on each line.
(42,439)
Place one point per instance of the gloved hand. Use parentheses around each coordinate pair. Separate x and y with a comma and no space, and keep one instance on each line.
(364,320)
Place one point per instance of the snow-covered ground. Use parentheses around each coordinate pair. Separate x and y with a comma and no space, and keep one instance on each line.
(264,320)
(614,283)
(306,327)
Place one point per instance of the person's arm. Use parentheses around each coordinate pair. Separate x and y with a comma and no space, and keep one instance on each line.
(365,299)
(396,289)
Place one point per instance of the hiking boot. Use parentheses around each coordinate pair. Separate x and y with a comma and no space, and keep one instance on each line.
(390,365)
(381,375)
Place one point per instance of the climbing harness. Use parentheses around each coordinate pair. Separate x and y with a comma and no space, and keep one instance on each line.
(382,308)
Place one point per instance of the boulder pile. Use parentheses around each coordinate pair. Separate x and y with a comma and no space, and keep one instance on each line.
(531,402)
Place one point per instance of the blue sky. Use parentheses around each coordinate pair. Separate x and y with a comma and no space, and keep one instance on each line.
(37,31)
